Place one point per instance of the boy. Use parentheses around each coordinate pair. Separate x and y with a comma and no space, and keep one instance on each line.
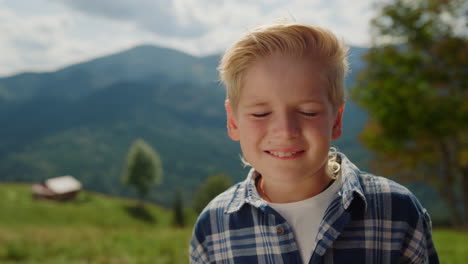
(301,201)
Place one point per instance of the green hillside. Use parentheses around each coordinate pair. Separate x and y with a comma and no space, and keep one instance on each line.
(93,229)
(101,229)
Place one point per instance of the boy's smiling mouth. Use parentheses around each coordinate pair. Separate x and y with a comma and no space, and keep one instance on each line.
(285,154)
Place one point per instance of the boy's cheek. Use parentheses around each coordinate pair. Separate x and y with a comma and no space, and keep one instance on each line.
(252,129)
(246,134)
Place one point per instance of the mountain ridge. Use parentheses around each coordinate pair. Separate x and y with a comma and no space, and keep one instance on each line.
(81,120)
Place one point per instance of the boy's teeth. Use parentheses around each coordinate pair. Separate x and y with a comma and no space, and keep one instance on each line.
(283,154)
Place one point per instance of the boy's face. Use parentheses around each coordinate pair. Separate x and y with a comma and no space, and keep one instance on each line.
(284,119)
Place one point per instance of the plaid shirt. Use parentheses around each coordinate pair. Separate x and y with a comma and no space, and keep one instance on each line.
(374,220)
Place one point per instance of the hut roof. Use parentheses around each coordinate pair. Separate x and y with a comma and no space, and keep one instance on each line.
(63,184)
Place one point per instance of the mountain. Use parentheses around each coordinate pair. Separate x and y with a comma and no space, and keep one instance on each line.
(81,120)
(140,63)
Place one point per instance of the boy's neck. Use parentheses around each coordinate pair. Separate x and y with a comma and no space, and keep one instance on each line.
(292,191)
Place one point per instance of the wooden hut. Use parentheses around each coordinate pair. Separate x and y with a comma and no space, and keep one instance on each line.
(60,188)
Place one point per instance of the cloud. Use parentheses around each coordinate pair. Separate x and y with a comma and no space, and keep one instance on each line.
(26,40)
(48,34)
(164,17)
(48,41)
(196,18)
(349,20)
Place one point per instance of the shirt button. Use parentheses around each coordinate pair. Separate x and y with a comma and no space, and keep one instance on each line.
(280,231)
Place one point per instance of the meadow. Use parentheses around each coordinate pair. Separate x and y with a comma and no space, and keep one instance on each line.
(96,228)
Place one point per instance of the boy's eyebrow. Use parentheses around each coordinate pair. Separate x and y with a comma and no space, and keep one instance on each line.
(256,104)
(311,101)
(260,104)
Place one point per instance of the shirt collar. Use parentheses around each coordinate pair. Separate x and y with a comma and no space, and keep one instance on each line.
(246,193)
(350,188)
(350,183)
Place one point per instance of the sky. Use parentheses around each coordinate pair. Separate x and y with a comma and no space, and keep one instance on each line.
(45,35)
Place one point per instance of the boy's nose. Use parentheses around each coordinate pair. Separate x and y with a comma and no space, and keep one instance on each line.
(285,126)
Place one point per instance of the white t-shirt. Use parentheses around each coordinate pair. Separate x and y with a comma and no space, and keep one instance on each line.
(305,217)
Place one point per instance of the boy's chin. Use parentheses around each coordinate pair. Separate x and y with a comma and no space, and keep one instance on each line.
(293,173)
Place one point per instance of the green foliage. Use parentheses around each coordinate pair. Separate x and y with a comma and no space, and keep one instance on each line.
(415,90)
(178,210)
(213,186)
(143,168)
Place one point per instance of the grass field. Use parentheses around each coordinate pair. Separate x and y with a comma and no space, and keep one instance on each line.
(452,246)
(93,229)
(100,229)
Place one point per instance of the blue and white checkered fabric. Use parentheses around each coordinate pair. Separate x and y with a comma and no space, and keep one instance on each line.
(374,220)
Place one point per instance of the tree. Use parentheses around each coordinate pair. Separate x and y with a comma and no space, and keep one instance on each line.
(415,89)
(213,186)
(143,167)
(178,210)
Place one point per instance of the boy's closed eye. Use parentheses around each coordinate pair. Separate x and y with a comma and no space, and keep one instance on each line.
(305,113)
(260,115)
(308,113)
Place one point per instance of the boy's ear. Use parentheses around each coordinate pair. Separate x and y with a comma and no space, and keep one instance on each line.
(232,128)
(338,124)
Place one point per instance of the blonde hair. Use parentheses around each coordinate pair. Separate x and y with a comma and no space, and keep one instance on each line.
(333,163)
(292,39)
